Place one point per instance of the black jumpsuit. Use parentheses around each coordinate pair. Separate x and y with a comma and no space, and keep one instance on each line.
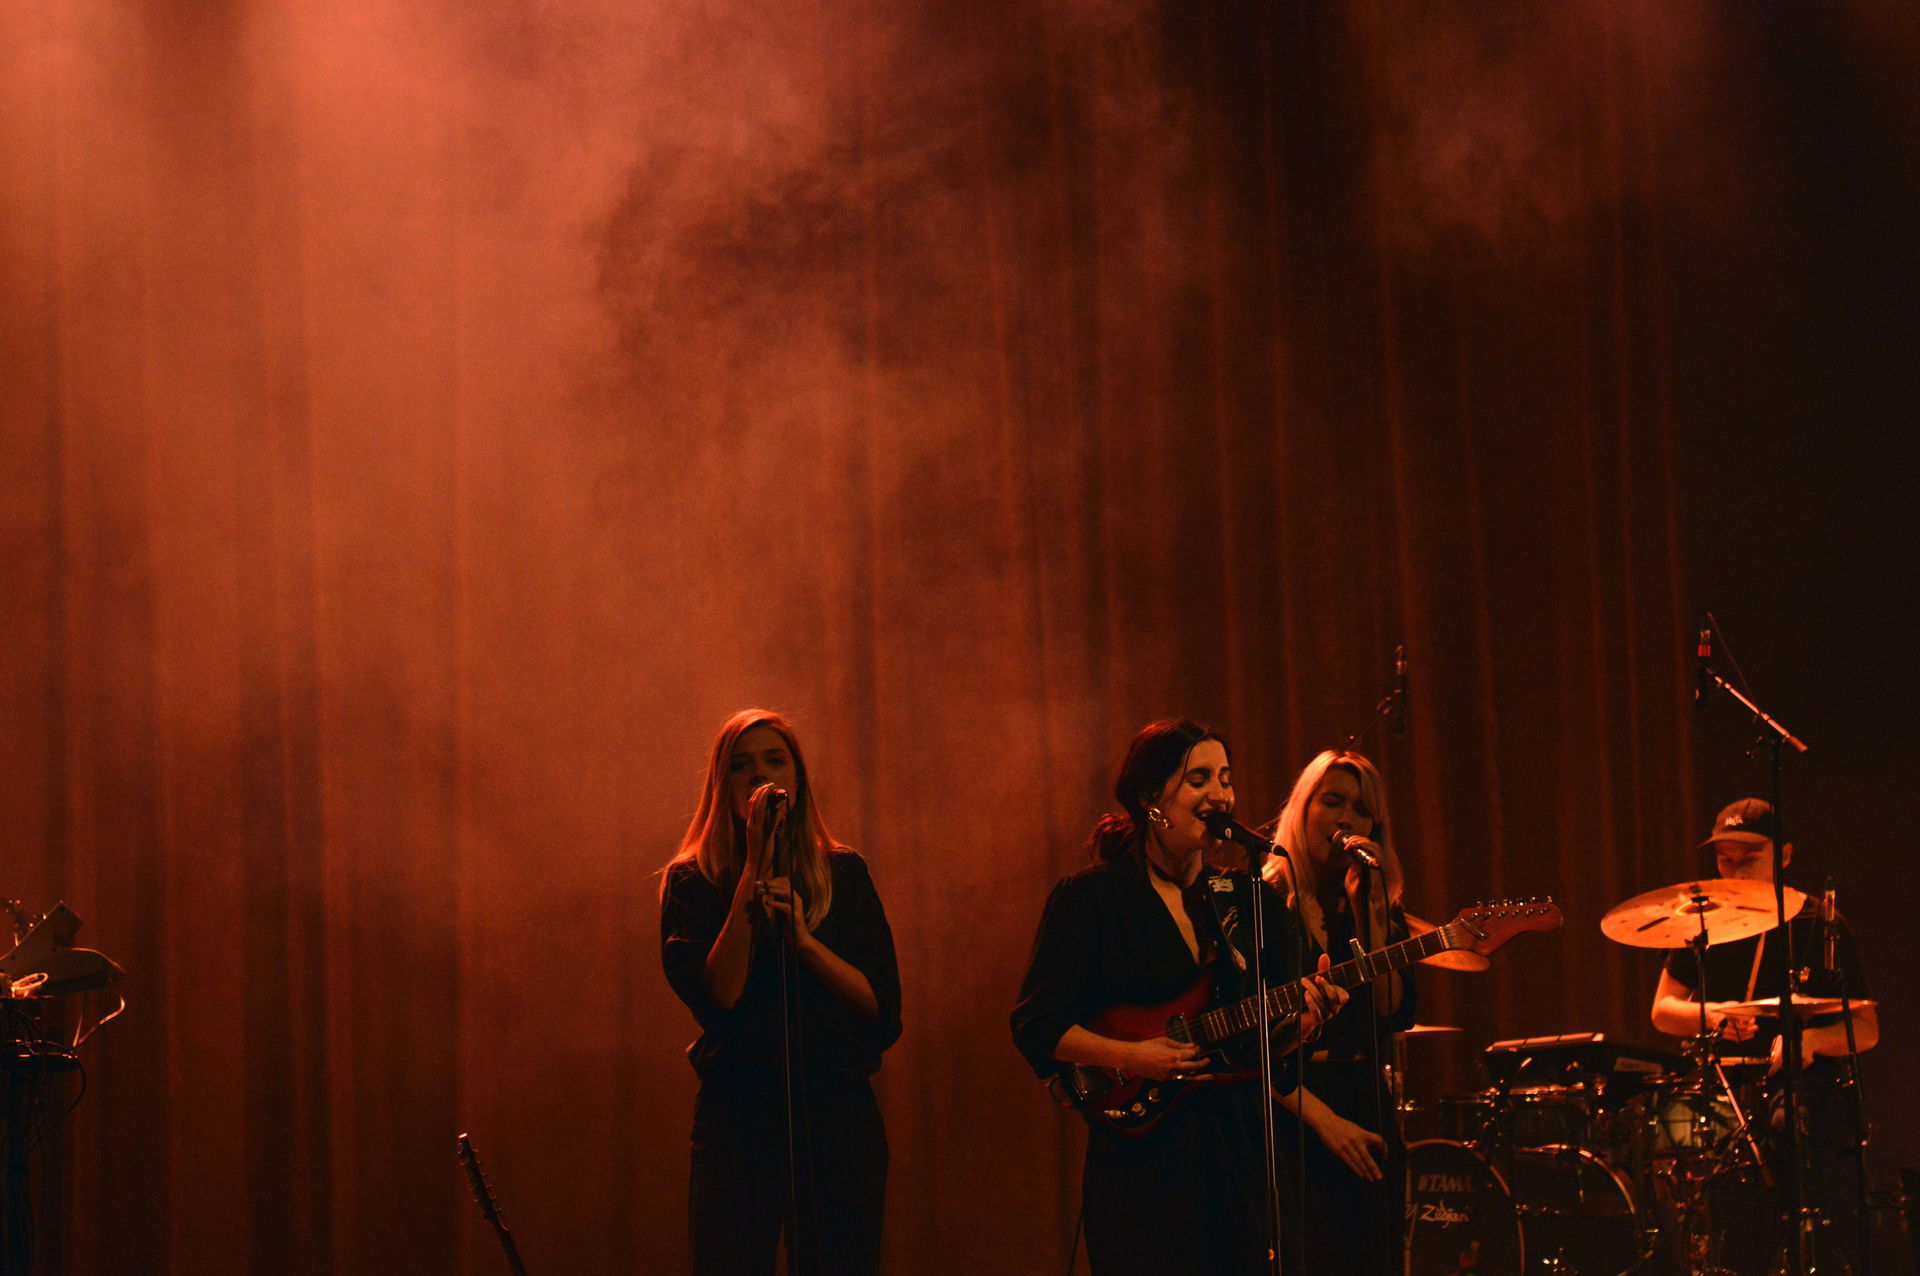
(738,1190)
(1185,1197)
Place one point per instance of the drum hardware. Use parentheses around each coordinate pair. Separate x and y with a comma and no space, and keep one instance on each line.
(1804,1007)
(1586,1079)
(45,1022)
(1546,1209)
(1696,1128)
(1583,1155)
(1396,1070)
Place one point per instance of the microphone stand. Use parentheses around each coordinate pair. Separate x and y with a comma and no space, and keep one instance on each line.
(789,1035)
(1268,1137)
(1257,849)
(1863,1219)
(1363,942)
(1799,1256)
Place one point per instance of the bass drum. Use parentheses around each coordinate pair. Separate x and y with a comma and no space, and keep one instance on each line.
(1562,1211)
(1576,1213)
(1460,1217)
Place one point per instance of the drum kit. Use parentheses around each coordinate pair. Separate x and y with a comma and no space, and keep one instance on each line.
(1589,1156)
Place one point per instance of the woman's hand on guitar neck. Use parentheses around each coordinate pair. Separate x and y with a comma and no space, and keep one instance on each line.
(1323,1001)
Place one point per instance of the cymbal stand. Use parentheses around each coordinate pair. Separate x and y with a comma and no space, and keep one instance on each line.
(1691,1203)
(1704,1047)
(1855,1091)
(1775,736)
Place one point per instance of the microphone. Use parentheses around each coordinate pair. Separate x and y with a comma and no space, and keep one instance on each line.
(1356,847)
(1829,931)
(771,800)
(1222,825)
(1399,690)
(1702,664)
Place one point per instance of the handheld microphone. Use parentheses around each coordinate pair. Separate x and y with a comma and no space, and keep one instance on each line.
(771,800)
(1702,664)
(1399,690)
(1222,825)
(1356,847)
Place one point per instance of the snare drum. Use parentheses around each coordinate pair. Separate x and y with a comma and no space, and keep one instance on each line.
(1457,1118)
(1550,1115)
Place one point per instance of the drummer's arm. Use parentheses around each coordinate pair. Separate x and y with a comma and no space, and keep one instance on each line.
(1676,1013)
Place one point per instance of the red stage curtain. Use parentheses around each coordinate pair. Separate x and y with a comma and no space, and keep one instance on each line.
(425,422)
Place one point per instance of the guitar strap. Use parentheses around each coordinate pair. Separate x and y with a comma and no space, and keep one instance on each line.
(1231,895)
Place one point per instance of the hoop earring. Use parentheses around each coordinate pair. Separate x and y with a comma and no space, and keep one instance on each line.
(1156,819)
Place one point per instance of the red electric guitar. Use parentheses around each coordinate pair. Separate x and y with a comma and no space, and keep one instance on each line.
(1114,1100)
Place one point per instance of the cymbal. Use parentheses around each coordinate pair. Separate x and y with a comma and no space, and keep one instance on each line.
(1670,917)
(1804,1007)
(1428,1029)
(1449,959)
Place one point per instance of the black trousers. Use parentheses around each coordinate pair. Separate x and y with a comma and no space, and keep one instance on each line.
(1185,1200)
(738,1199)
(1348,1225)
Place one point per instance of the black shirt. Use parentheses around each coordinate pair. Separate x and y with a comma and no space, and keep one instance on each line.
(835,1039)
(1106,939)
(1730,968)
(1350,1033)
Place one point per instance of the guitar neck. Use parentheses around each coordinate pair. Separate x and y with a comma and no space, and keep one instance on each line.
(512,1251)
(489,1208)
(1288,1000)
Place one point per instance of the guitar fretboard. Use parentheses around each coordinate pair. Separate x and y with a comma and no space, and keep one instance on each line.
(1288,1000)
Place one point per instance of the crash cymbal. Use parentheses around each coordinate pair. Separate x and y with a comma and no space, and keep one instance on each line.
(1449,959)
(1670,917)
(1427,1029)
(1804,1007)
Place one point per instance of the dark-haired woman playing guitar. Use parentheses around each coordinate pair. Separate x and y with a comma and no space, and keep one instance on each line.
(1142,926)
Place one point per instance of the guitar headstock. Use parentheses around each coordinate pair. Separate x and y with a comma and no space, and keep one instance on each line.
(1484,927)
(477,1180)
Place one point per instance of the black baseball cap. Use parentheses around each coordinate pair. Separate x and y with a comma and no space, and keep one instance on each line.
(1748,820)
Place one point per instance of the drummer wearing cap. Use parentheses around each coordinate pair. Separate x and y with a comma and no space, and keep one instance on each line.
(1754,968)
(1751,969)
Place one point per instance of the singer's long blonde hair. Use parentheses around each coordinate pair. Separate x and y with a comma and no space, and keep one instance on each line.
(1302,885)
(716,840)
